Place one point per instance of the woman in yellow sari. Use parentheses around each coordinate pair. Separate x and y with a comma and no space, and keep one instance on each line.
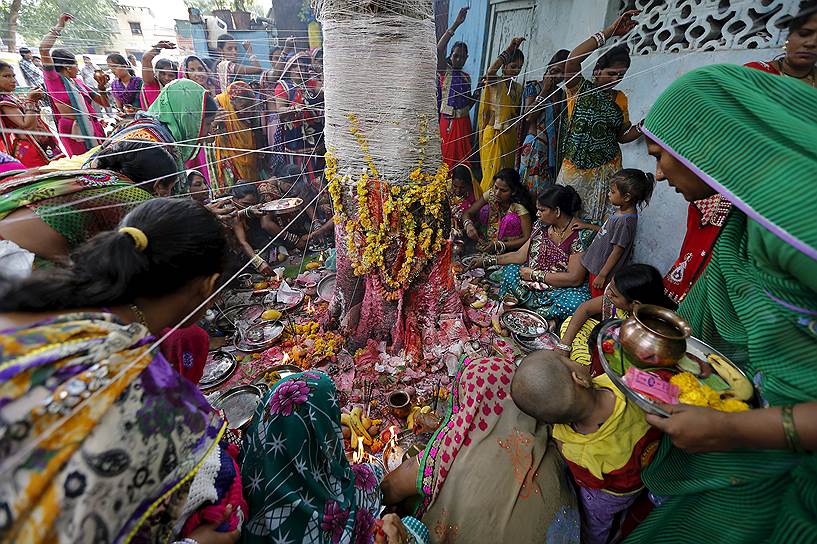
(241,117)
(498,111)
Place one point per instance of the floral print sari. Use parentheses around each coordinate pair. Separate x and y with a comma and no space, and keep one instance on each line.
(298,483)
(105,438)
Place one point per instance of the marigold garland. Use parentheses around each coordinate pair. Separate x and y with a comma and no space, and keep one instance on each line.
(403,221)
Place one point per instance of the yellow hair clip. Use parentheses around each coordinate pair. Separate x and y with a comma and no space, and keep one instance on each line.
(140,240)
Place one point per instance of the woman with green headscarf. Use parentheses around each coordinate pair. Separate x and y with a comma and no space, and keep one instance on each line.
(179,118)
(747,476)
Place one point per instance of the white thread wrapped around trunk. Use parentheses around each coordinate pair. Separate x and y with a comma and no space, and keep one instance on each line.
(380,67)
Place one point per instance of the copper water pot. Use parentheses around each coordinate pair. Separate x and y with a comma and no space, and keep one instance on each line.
(654,336)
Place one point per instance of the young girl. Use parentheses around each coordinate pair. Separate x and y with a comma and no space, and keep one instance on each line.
(635,282)
(602,436)
(630,189)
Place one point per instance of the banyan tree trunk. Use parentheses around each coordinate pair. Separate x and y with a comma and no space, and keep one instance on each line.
(388,183)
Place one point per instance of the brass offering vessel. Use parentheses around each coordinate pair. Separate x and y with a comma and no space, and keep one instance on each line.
(654,336)
(399,403)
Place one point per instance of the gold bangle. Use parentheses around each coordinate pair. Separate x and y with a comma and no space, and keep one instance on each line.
(790,430)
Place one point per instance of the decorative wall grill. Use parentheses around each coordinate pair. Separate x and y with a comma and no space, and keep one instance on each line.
(669,26)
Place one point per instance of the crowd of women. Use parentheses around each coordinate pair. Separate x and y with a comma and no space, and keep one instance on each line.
(106,438)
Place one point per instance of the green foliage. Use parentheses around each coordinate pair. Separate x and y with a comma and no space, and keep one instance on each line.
(207,6)
(93,25)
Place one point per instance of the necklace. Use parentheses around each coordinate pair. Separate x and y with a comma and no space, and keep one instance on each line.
(561,235)
(808,77)
(139,315)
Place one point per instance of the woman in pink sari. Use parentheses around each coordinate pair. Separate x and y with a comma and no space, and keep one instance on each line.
(77,123)
(503,214)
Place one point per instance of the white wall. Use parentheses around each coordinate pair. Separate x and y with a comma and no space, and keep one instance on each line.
(662,224)
(563,24)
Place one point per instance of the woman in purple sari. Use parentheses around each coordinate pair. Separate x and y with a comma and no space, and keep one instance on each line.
(503,214)
(546,274)
(126,88)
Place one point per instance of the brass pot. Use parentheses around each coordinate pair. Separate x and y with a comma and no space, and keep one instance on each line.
(399,403)
(654,336)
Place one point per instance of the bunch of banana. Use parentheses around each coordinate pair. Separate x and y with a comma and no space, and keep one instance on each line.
(740,388)
(414,411)
(361,428)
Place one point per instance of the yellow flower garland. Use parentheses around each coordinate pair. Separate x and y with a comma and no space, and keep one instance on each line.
(394,228)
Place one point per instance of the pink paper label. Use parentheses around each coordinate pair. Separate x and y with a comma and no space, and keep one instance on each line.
(651,385)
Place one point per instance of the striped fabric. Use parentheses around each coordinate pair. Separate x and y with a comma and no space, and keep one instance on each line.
(751,136)
(756,302)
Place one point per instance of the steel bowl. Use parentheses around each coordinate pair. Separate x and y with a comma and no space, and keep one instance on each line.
(654,336)
(239,404)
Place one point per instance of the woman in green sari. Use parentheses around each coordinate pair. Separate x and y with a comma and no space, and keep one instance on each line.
(178,120)
(749,476)
(51,212)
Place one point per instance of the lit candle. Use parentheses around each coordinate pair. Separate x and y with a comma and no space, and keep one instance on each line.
(357,455)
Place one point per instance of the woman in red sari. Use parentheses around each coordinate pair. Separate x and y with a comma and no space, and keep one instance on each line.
(800,50)
(454,98)
(23,134)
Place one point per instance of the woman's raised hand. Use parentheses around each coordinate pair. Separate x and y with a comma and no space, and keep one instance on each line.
(463,13)
(624,24)
(515,43)
(165,44)
(64,18)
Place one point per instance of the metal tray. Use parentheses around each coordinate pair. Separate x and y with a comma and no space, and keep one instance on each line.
(277,329)
(239,404)
(326,288)
(695,347)
(507,320)
(222,377)
(226,319)
(282,205)
(529,345)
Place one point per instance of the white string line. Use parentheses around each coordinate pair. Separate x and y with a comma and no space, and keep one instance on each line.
(134,184)
(533,109)
(176,173)
(55,212)
(154,180)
